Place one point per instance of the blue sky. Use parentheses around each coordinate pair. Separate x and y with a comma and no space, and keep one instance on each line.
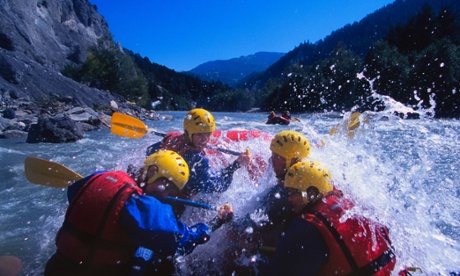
(183,34)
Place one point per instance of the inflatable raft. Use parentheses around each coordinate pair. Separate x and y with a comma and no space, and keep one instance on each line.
(227,140)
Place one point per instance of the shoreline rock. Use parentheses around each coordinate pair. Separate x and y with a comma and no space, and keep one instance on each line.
(60,121)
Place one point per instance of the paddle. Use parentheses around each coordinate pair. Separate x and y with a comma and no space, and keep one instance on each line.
(349,126)
(49,173)
(127,126)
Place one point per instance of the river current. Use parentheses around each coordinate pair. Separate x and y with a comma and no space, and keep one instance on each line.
(402,173)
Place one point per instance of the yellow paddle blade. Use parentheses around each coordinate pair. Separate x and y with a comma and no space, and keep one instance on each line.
(334,130)
(48,173)
(354,122)
(248,152)
(348,126)
(127,126)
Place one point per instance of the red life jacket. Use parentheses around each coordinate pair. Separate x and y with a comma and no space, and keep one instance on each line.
(177,142)
(357,246)
(91,233)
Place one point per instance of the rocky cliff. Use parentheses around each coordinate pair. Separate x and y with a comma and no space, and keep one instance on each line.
(38,38)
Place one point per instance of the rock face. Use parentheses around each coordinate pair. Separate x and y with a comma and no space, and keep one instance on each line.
(51,32)
(38,39)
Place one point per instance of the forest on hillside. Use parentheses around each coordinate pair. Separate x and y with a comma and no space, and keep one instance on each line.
(416,63)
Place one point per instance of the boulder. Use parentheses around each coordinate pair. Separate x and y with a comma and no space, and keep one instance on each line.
(12,134)
(57,129)
(9,113)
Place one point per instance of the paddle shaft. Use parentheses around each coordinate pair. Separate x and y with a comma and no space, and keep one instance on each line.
(38,171)
(193,203)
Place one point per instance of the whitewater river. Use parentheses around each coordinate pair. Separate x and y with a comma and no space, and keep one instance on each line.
(403,173)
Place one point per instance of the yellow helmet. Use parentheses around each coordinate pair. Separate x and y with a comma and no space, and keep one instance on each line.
(303,175)
(199,120)
(170,166)
(290,144)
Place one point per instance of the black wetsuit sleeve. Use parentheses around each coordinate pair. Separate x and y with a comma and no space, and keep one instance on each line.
(226,176)
(275,205)
(301,251)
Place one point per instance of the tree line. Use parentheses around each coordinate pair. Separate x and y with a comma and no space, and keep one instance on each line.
(417,64)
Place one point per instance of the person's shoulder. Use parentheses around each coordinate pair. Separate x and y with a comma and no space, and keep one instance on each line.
(195,155)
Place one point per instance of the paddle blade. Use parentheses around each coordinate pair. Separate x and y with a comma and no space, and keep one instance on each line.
(127,126)
(354,121)
(48,173)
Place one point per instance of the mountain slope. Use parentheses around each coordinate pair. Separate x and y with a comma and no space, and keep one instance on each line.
(39,38)
(233,70)
(357,37)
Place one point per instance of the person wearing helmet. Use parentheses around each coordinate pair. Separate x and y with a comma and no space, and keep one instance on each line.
(321,241)
(286,114)
(287,148)
(199,125)
(284,119)
(113,220)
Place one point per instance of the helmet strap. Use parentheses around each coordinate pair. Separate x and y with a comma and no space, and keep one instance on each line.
(292,161)
(311,195)
(189,137)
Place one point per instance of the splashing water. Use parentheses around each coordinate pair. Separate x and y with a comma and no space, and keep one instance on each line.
(402,173)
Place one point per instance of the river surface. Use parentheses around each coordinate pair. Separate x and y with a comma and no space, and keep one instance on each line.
(403,173)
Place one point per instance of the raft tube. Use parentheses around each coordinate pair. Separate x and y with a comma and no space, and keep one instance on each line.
(220,138)
(239,135)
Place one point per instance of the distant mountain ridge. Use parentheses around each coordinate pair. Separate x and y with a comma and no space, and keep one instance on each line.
(234,70)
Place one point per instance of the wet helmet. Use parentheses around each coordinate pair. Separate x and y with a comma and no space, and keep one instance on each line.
(307,174)
(199,121)
(290,144)
(170,166)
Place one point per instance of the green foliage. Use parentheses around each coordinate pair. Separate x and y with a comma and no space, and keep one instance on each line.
(232,100)
(176,91)
(416,63)
(110,69)
(324,86)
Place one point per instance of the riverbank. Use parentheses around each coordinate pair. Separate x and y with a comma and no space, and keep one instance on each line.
(60,119)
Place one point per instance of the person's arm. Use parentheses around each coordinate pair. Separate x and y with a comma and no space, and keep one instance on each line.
(275,204)
(152,224)
(203,178)
(301,251)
